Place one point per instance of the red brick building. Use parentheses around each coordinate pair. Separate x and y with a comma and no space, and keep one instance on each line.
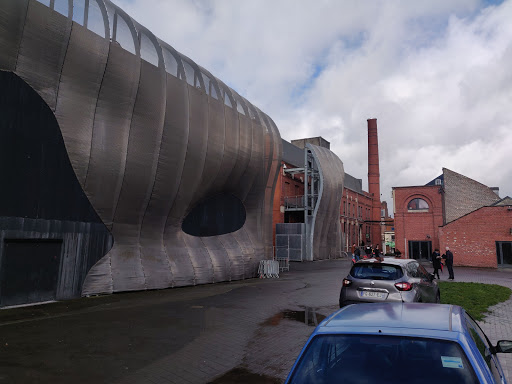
(482,238)
(455,211)
(289,190)
(361,212)
(386,221)
(374,183)
(387,229)
(355,210)
(356,214)
(418,212)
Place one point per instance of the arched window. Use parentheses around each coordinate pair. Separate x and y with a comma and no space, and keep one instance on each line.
(265,123)
(211,87)
(45,2)
(95,21)
(79,11)
(89,15)
(240,106)
(190,74)
(147,50)
(171,63)
(123,34)
(61,6)
(227,98)
(417,204)
(252,111)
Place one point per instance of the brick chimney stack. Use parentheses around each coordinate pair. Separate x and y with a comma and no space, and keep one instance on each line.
(374,181)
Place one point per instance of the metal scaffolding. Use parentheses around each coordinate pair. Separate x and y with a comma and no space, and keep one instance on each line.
(308,202)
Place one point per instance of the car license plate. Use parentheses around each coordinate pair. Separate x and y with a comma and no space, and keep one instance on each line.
(373,295)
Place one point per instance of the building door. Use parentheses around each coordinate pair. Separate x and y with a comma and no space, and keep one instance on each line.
(29,271)
(504,252)
(420,250)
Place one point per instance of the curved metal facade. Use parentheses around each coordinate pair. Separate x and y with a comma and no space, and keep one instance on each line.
(149,135)
(325,233)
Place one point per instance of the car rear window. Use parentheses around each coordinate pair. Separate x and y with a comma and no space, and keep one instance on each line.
(376,271)
(382,359)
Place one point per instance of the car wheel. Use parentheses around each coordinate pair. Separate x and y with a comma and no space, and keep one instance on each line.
(438,298)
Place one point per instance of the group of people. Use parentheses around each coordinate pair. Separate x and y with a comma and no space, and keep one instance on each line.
(369,252)
(437,260)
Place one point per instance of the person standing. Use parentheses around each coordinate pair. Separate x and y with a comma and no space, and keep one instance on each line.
(436,262)
(377,252)
(448,257)
(368,251)
(357,254)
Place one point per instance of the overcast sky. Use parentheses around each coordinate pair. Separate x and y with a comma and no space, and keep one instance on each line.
(436,74)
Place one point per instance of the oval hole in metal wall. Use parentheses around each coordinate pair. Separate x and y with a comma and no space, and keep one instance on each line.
(217,215)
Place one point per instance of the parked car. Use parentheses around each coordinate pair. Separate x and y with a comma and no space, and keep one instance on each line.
(399,343)
(389,279)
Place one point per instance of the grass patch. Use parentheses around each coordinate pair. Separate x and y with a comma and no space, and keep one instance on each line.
(475,298)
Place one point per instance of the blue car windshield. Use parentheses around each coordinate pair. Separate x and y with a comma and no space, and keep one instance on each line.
(382,359)
(376,271)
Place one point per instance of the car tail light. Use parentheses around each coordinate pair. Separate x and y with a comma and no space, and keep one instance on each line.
(403,286)
(346,282)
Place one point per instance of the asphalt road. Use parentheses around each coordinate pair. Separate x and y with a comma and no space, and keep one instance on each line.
(245,331)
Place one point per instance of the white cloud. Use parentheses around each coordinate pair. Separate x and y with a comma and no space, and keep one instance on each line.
(435,74)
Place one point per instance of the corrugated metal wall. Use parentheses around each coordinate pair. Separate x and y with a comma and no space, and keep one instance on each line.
(149,135)
(325,227)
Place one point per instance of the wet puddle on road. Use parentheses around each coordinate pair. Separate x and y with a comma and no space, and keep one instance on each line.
(242,375)
(309,317)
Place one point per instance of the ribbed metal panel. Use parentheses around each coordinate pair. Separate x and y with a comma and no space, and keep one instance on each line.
(82,74)
(12,15)
(43,49)
(146,146)
(326,230)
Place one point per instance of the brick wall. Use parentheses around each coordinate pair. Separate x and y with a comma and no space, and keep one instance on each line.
(287,186)
(472,238)
(355,212)
(416,225)
(464,195)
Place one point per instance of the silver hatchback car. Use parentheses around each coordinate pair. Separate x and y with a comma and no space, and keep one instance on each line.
(389,279)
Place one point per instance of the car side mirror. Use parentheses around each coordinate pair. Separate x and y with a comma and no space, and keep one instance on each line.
(504,346)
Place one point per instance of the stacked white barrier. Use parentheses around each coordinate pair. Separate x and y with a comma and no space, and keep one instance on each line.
(268,269)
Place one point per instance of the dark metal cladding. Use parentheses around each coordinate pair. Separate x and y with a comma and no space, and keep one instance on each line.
(43,49)
(12,15)
(326,229)
(231,143)
(149,136)
(42,201)
(80,84)
(275,162)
